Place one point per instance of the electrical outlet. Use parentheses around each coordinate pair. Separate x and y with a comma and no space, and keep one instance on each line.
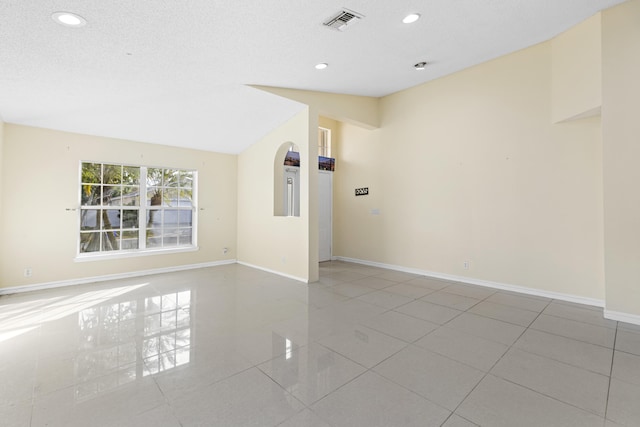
(225,250)
(28,272)
(466,265)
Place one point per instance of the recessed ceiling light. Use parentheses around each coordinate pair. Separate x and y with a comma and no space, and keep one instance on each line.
(420,66)
(322,66)
(411,18)
(69,19)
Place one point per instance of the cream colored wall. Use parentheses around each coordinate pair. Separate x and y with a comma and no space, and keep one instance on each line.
(359,110)
(41,172)
(359,158)
(621,131)
(275,243)
(470,168)
(576,66)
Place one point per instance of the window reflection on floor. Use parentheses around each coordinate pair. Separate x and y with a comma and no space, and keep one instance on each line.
(167,334)
(120,342)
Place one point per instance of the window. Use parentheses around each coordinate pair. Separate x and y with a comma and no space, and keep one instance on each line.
(127,208)
(324,142)
(169,213)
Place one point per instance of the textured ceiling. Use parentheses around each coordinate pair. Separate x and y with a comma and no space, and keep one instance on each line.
(176,72)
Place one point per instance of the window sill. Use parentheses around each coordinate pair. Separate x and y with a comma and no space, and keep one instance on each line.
(132,254)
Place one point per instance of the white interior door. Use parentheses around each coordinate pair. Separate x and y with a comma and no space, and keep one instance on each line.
(325,195)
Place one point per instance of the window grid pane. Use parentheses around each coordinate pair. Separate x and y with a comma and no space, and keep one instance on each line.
(324,142)
(169,208)
(110,217)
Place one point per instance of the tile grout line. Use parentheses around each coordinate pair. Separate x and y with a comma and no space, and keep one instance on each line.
(446,357)
(463,312)
(552,398)
(562,361)
(539,313)
(579,321)
(488,372)
(573,338)
(559,361)
(370,370)
(613,356)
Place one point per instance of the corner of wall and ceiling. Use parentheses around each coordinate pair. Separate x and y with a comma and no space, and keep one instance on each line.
(362,111)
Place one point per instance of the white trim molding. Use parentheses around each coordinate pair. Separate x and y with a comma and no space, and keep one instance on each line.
(489,284)
(279,273)
(85,280)
(622,317)
(102,256)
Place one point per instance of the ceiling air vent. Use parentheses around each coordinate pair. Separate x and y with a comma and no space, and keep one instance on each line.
(344,19)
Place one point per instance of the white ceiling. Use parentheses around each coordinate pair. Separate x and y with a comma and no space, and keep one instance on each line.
(176,72)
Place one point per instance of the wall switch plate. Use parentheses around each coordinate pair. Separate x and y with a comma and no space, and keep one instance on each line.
(362,191)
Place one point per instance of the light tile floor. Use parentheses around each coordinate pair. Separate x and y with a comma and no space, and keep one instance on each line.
(234,346)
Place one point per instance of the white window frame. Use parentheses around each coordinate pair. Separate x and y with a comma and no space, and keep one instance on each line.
(324,150)
(142,209)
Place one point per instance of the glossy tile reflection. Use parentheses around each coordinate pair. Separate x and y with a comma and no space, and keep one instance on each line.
(122,341)
(311,372)
(364,346)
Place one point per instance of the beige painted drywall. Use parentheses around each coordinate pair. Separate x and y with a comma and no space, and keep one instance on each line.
(576,67)
(359,110)
(41,173)
(470,168)
(275,243)
(621,133)
(357,233)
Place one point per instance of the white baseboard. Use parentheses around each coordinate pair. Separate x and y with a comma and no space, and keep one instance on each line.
(279,273)
(480,282)
(622,317)
(85,280)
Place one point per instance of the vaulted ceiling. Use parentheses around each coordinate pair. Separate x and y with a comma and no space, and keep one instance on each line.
(178,72)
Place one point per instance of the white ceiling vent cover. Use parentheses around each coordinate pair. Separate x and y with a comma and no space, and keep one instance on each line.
(345,18)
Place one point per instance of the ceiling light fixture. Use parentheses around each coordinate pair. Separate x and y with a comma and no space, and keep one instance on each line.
(420,66)
(69,19)
(322,66)
(411,18)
